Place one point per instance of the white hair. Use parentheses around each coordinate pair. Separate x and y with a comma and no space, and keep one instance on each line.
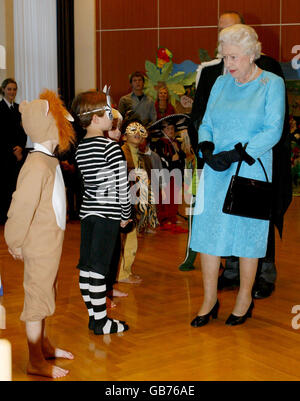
(243,36)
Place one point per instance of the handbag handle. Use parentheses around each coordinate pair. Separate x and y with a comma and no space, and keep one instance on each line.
(260,162)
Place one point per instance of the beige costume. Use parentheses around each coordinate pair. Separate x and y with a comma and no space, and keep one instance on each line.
(37,215)
(129,242)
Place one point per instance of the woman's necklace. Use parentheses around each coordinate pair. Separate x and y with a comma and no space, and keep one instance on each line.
(248,80)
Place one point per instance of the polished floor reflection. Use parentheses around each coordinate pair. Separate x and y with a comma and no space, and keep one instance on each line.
(161,344)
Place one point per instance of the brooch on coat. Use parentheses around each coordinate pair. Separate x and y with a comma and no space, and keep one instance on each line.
(264,81)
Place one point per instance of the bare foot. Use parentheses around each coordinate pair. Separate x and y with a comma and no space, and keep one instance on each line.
(118,293)
(52,353)
(60,353)
(110,303)
(131,280)
(44,368)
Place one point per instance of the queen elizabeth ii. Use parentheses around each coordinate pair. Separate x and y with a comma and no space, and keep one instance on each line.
(246,106)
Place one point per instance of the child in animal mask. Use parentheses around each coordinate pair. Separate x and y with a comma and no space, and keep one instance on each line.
(105,206)
(34,230)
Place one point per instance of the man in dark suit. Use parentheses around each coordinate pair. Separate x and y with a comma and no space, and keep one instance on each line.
(282,183)
(12,145)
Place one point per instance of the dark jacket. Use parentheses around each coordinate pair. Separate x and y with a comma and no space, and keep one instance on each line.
(11,132)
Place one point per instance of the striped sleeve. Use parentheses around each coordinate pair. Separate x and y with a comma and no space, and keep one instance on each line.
(118,167)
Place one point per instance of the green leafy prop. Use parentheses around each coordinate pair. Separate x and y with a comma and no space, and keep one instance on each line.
(160,75)
(157,77)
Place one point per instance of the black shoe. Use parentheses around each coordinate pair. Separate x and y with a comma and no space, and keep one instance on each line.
(92,322)
(98,329)
(262,289)
(234,320)
(226,283)
(186,267)
(204,319)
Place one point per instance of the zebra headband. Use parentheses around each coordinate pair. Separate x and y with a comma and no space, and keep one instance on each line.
(107,108)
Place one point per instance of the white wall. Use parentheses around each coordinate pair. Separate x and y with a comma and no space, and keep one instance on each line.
(35,47)
(2,28)
(85,42)
(85,45)
(7,37)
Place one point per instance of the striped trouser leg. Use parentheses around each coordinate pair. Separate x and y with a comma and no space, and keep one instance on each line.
(97,291)
(84,279)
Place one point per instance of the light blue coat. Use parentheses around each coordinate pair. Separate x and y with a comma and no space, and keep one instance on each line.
(253,114)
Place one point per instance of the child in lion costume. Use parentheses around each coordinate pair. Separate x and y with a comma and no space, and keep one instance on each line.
(36,222)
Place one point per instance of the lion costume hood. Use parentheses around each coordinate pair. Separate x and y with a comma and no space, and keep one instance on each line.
(47,119)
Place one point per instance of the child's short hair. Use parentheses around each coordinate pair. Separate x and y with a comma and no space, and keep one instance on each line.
(85,103)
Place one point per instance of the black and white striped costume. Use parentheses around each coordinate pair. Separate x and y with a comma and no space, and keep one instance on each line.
(106,200)
(104,173)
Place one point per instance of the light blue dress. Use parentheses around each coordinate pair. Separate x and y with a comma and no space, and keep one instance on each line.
(253,114)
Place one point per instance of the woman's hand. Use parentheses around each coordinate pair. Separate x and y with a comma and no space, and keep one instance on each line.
(223,160)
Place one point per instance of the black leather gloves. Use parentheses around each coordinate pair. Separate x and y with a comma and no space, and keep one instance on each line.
(217,162)
(243,154)
(222,161)
(206,148)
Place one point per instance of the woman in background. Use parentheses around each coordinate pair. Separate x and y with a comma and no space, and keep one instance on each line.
(162,105)
(12,144)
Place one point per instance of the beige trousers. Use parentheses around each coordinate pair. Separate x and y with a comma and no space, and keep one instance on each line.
(128,252)
(40,288)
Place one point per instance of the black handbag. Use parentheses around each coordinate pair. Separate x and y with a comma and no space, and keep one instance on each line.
(247,197)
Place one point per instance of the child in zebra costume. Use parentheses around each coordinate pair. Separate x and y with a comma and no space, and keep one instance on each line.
(105,206)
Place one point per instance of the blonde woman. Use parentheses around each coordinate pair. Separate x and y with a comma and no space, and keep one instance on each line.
(162,105)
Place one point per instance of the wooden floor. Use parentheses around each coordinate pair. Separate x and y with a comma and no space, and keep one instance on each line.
(161,344)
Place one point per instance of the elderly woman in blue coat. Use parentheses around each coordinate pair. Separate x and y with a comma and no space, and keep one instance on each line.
(246,105)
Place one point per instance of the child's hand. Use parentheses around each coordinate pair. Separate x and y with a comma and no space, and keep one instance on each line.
(125,222)
(67,166)
(17,151)
(16,253)
(175,157)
